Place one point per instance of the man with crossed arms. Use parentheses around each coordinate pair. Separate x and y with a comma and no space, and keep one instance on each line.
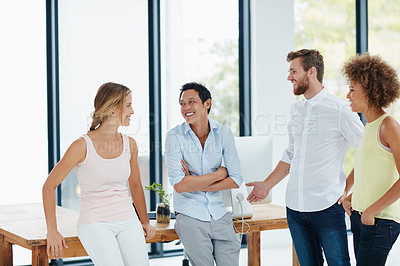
(195,152)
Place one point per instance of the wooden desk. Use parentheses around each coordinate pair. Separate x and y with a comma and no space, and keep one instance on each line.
(24,225)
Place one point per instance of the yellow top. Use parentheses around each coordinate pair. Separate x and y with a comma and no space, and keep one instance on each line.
(375,173)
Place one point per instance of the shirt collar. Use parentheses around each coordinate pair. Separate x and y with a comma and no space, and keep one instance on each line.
(213,125)
(316,99)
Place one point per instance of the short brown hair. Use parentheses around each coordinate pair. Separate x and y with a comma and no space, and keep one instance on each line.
(378,79)
(310,58)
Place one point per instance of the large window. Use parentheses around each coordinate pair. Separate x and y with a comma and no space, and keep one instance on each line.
(384,36)
(200,45)
(197,45)
(100,41)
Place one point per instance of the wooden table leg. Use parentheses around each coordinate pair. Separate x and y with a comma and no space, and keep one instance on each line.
(39,256)
(6,253)
(294,257)
(253,249)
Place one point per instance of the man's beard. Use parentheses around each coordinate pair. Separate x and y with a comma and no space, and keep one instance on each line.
(302,86)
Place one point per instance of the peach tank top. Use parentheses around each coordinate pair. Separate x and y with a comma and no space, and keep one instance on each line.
(103,184)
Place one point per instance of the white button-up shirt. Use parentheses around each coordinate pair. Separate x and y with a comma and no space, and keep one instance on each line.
(320,131)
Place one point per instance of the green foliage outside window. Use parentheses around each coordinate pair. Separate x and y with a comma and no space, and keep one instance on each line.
(224,85)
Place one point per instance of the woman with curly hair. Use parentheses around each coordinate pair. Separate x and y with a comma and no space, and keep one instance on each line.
(374,206)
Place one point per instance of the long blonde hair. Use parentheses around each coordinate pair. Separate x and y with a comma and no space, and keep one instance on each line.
(109,96)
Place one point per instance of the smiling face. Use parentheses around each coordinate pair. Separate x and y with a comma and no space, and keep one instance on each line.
(357,97)
(193,109)
(298,77)
(125,111)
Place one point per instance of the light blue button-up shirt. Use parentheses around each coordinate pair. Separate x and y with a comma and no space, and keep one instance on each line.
(219,149)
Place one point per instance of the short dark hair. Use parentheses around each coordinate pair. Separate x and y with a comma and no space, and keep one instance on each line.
(377,78)
(204,93)
(310,58)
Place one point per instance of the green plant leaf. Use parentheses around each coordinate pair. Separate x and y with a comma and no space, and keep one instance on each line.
(158,188)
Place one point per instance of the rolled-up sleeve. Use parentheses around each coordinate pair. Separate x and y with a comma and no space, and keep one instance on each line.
(173,157)
(287,154)
(231,159)
(350,126)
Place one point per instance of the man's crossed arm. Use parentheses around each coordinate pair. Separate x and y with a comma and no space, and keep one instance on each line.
(215,181)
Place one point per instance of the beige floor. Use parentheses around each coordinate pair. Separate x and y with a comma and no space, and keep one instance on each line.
(275,251)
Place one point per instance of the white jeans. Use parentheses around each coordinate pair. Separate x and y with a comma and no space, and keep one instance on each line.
(119,243)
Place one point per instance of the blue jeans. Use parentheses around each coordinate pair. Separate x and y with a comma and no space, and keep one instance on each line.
(372,243)
(313,232)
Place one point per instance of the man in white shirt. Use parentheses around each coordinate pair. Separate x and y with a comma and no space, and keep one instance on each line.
(321,129)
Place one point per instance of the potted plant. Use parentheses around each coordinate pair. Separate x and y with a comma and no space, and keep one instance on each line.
(163,210)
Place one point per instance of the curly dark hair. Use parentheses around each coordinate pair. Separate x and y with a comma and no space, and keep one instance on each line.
(378,79)
(309,58)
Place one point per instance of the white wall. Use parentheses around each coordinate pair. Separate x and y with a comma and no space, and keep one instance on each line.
(23,134)
(272,37)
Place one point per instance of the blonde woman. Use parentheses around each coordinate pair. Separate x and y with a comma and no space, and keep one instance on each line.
(104,160)
(374,206)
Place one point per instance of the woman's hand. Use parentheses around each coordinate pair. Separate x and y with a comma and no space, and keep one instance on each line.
(149,231)
(347,205)
(367,218)
(55,244)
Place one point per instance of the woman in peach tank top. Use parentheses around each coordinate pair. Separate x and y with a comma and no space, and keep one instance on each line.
(374,205)
(104,160)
